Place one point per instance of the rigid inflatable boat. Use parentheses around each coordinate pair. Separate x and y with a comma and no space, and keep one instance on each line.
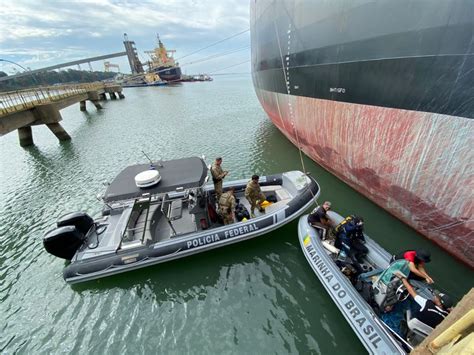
(368,292)
(166,210)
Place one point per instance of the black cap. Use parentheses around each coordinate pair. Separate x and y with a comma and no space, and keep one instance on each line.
(445,300)
(255,177)
(424,255)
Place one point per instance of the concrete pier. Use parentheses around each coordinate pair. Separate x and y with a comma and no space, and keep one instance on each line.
(22,109)
(463,306)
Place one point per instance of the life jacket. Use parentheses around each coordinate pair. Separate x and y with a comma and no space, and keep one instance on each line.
(344,222)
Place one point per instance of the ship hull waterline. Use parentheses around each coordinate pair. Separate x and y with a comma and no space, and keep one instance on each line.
(412,152)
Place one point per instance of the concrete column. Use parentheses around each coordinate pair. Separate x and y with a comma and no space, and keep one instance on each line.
(103,96)
(25,134)
(82,105)
(59,131)
(121,96)
(112,96)
(97,105)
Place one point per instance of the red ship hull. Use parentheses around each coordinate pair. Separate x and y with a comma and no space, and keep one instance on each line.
(418,172)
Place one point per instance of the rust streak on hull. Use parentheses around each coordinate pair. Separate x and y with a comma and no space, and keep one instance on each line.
(416,165)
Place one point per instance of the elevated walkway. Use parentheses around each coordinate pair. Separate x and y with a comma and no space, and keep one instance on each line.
(19,110)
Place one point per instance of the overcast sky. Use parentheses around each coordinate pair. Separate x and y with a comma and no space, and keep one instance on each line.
(40,33)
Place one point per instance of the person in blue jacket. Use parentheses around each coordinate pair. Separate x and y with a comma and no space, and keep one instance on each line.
(350,238)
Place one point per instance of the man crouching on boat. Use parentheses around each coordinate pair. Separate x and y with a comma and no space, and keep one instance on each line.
(350,238)
(319,218)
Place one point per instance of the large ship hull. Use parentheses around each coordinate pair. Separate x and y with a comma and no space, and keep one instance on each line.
(169,73)
(380,93)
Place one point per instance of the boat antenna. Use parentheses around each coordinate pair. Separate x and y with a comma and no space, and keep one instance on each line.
(152,166)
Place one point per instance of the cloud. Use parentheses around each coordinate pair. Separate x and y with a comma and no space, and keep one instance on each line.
(49,32)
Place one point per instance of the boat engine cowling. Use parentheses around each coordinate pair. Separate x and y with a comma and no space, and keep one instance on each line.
(63,242)
(81,220)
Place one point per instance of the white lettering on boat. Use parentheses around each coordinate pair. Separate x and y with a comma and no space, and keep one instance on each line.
(234,232)
(207,239)
(368,331)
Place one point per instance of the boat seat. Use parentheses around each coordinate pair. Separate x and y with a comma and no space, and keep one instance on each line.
(282,194)
(175,210)
(417,327)
(270,188)
(276,206)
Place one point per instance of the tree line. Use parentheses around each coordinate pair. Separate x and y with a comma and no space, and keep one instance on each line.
(69,76)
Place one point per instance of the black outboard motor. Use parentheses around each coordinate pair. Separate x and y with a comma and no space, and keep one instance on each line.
(81,220)
(64,241)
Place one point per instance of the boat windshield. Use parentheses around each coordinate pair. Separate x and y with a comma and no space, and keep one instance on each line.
(397,267)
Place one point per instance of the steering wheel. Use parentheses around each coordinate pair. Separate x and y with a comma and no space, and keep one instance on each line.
(401,293)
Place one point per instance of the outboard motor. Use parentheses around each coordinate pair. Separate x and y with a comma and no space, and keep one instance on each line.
(81,220)
(63,242)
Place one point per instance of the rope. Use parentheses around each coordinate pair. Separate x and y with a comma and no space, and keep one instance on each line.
(287,80)
(213,44)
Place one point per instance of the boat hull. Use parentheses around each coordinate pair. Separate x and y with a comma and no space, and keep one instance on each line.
(178,247)
(366,325)
(386,108)
(169,73)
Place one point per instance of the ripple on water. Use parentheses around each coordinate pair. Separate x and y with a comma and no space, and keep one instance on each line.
(254,297)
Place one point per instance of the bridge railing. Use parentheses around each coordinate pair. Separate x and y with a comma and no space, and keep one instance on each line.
(13,101)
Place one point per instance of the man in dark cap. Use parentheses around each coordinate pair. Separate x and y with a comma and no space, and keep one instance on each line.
(416,262)
(254,195)
(432,312)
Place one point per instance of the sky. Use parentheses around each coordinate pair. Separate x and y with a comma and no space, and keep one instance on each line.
(40,33)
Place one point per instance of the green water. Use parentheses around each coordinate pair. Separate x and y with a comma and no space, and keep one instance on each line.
(258,296)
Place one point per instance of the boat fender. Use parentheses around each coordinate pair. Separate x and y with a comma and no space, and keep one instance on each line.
(63,242)
(81,220)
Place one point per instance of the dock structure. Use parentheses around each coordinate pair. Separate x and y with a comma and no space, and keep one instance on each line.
(450,329)
(19,110)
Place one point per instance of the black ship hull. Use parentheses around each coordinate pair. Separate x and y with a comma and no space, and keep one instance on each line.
(379,93)
(169,73)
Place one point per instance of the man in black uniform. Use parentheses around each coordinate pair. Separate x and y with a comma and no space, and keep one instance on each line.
(432,312)
(319,218)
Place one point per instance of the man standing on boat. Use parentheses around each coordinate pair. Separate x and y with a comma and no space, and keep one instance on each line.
(227,206)
(254,195)
(319,217)
(217,176)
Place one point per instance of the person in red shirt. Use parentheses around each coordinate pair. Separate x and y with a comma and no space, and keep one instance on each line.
(416,262)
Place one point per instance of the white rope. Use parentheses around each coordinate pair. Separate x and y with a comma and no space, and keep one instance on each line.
(288,91)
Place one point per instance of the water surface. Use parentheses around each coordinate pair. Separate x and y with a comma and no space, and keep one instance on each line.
(258,296)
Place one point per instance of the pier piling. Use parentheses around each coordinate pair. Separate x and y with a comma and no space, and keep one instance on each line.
(59,131)
(25,134)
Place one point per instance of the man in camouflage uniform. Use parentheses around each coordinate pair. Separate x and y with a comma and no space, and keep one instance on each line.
(227,206)
(217,176)
(254,195)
